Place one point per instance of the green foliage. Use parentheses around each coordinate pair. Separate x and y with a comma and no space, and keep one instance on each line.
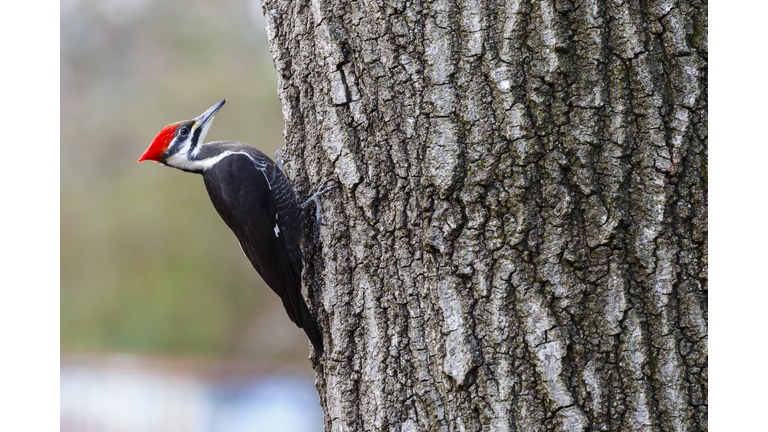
(146,263)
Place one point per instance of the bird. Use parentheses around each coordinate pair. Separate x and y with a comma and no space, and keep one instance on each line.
(255,200)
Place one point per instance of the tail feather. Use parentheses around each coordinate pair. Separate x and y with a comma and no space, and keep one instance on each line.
(310,328)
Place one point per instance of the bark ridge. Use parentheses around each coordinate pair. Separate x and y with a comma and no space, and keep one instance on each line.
(520,240)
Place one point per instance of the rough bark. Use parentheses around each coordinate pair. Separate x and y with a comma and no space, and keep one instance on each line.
(520,238)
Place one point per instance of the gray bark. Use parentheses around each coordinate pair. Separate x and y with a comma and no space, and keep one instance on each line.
(520,238)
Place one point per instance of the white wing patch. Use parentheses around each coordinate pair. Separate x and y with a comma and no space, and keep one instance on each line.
(277,231)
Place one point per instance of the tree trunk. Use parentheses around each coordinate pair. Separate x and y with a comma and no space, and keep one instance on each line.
(519,242)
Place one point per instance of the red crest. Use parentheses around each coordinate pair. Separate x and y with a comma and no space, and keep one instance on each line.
(160,143)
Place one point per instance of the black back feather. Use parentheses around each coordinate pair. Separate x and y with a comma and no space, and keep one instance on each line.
(253,196)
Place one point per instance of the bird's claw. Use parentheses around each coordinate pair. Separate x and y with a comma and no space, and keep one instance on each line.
(279,161)
(317,195)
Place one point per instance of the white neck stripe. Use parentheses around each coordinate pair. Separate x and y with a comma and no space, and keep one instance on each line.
(180,161)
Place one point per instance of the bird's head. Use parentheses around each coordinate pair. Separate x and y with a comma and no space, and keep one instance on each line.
(177,144)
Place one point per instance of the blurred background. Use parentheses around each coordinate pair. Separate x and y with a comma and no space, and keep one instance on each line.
(155,291)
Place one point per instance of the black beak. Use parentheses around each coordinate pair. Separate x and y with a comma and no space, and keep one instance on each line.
(205,117)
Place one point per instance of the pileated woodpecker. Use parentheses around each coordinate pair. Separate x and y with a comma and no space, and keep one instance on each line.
(255,200)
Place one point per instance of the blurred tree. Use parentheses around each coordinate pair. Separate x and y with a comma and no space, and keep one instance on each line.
(521,238)
(132,278)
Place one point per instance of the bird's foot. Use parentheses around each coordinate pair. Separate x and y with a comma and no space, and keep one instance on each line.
(279,161)
(317,195)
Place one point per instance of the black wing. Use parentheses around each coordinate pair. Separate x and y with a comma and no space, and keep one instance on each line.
(242,195)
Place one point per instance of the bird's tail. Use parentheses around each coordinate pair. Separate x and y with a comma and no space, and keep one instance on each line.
(310,328)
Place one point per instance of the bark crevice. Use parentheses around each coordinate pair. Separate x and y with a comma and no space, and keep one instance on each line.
(519,242)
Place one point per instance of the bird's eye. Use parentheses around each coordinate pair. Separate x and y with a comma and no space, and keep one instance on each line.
(184,131)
